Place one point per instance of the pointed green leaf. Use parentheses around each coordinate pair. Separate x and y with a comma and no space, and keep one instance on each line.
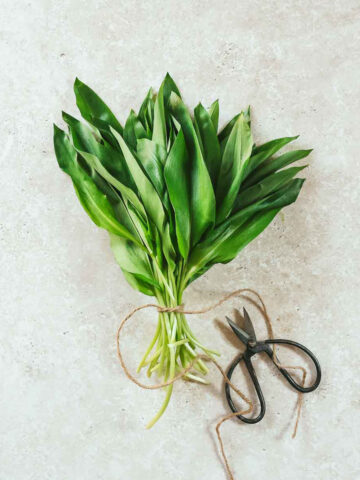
(146,113)
(225,132)
(229,249)
(132,259)
(214,114)
(127,193)
(159,131)
(169,86)
(202,198)
(265,151)
(149,196)
(228,246)
(271,165)
(152,157)
(93,108)
(177,181)
(94,202)
(107,162)
(133,130)
(209,142)
(138,283)
(235,159)
(205,252)
(247,115)
(265,187)
(84,141)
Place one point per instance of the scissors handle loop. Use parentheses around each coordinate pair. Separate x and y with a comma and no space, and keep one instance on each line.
(247,360)
(285,373)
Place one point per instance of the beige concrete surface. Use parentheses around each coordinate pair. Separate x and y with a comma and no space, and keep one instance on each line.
(67,411)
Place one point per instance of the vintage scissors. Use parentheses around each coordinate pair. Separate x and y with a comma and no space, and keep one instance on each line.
(248,338)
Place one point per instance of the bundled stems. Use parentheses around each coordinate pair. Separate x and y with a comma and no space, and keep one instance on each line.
(173,346)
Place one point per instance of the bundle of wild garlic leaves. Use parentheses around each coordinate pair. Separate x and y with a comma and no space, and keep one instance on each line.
(176,197)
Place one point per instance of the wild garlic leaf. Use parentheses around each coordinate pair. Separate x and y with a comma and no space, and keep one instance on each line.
(132,259)
(138,283)
(208,141)
(169,86)
(127,192)
(94,202)
(265,186)
(271,165)
(228,244)
(229,249)
(148,194)
(92,108)
(234,162)
(202,198)
(152,157)
(84,140)
(214,114)
(133,130)
(159,131)
(265,151)
(177,181)
(145,113)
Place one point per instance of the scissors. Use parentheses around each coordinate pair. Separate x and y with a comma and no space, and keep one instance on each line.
(247,336)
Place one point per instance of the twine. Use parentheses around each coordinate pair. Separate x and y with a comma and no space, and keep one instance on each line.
(180,308)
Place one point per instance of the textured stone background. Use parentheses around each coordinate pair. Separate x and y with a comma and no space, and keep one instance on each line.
(67,411)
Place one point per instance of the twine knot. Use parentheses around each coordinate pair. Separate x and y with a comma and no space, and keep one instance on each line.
(177,308)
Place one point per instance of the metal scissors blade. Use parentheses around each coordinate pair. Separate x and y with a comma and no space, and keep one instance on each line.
(248,326)
(245,334)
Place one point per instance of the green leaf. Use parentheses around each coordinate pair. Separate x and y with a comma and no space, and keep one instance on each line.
(169,86)
(202,198)
(223,136)
(133,259)
(107,162)
(146,112)
(92,108)
(265,151)
(282,197)
(177,181)
(152,157)
(247,115)
(229,249)
(138,283)
(159,131)
(205,252)
(235,159)
(168,247)
(214,114)
(266,186)
(94,202)
(225,132)
(208,141)
(133,130)
(127,193)
(271,165)
(228,246)
(148,194)
(84,141)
